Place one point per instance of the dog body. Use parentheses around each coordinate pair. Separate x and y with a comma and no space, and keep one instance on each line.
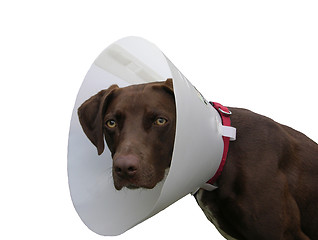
(268,187)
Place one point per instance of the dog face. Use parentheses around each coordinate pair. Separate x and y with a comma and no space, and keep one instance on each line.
(138,123)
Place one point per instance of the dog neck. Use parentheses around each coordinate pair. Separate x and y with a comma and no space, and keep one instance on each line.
(228,133)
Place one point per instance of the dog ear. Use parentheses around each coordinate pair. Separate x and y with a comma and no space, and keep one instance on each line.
(90,115)
(168,85)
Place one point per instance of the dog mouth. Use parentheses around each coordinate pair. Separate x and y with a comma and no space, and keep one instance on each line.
(132,187)
(134,184)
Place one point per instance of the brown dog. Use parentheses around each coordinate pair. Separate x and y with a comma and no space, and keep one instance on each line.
(268,188)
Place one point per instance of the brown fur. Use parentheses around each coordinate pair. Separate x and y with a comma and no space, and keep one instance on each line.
(268,188)
(141,149)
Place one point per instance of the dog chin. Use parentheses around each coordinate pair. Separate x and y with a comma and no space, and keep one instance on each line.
(148,186)
(132,187)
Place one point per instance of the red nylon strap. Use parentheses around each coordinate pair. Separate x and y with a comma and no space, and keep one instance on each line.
(226,121)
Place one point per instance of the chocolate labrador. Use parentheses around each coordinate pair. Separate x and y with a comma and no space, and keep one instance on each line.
(269,185)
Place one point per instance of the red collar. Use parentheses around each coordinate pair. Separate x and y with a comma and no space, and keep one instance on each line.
(226,121)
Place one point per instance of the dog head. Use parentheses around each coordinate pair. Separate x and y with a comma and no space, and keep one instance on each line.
(138,123)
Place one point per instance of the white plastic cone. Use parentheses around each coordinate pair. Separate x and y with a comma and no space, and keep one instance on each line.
(197,152)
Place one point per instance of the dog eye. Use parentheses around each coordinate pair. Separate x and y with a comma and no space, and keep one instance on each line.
(111,123)
(160,121)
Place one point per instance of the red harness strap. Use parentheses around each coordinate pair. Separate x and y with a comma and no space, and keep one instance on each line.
(226,121)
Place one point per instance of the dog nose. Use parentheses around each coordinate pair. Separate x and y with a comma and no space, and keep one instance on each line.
(126,166)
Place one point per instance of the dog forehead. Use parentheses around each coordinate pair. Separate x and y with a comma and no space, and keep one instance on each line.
(138,96)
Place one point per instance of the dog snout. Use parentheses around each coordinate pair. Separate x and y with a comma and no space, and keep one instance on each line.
(126,166)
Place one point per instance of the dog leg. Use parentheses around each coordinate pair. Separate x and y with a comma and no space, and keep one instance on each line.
(276,217)
(292,218)
(269,213)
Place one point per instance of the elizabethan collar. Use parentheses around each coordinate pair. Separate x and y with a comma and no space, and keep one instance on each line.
(197,150)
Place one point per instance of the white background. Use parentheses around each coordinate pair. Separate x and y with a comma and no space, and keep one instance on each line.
(260,56)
